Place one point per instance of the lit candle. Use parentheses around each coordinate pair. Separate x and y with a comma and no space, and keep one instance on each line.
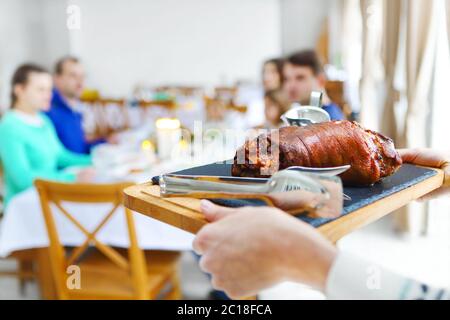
(168,134)
(146,145)
(148,150)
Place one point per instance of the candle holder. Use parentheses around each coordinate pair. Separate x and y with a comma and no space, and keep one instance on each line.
(168,134)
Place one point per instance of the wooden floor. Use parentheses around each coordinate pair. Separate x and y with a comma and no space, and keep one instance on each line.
(195,284)
(377,241)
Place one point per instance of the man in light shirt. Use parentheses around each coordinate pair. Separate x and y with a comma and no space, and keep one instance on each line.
(283,248)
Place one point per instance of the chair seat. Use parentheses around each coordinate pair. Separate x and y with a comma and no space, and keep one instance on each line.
(102,279)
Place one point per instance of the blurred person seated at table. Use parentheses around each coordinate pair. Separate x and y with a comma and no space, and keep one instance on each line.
(272,74)
(69,84)
(29,146)
(302,74)
(295,251)
(275,105)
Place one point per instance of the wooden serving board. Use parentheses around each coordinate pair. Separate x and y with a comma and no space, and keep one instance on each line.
(367,205)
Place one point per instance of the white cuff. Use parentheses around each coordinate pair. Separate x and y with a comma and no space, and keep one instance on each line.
(353,278)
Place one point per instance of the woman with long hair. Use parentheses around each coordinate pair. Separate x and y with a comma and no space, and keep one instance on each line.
(29,146)
(272,74)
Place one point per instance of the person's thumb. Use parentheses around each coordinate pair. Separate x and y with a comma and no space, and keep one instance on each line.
(408,155)
(214,212)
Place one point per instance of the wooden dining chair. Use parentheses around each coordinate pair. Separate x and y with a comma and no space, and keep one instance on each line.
(150,110)
(105,272)
(237,108)
(167,104)
(179,90)
(189,91)
(109,115)
(217,108)
(227,94)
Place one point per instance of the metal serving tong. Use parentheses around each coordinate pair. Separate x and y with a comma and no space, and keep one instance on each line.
(323,194)
(281,181)
(172,184)
(327,172)
(330,171)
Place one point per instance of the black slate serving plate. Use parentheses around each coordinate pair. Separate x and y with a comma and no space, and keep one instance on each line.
(407,176)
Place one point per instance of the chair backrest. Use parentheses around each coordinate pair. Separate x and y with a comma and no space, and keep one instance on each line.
(168,104)
(217,108)
(180,90)
(110,115)
(150,110)
(227,94)
(56,193)
(237,108)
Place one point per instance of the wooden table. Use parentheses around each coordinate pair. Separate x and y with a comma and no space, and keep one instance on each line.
(184,213)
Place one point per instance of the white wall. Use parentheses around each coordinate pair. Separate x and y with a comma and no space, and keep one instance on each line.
(30,31)
(202,42)
(16,41)
(155,42)
(56,44)
(302,22)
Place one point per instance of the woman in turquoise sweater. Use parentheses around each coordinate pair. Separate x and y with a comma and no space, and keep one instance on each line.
(29,146)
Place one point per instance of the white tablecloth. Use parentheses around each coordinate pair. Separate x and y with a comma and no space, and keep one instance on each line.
(23,227)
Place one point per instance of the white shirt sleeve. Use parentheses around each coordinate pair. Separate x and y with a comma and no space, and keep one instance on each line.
(353,278)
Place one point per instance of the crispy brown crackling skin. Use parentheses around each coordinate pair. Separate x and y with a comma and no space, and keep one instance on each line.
(372,156)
